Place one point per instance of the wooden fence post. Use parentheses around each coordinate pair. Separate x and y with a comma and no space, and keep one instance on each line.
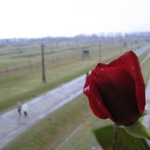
(43,64)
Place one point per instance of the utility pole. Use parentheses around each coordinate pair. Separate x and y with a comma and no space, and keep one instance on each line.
(100,51)
(43,64)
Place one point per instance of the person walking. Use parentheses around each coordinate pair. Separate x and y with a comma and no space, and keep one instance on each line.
(19,106)
(25,109)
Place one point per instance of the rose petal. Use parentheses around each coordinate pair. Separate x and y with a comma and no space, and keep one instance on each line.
(129,61)
(117,90)
(94,97)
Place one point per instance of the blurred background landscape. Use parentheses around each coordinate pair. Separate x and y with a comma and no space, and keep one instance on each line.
(45,44)
(21,62)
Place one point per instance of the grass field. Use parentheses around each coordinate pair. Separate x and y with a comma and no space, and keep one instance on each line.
(51,131)
(61,66)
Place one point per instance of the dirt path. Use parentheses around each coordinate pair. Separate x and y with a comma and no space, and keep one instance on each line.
(12,125)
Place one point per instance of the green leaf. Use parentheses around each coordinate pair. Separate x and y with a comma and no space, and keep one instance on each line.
(125,141)
(138,130)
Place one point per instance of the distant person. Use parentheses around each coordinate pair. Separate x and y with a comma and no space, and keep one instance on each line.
(19,106)
(25,109)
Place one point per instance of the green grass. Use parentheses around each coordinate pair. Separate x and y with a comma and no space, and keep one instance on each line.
(24,86)
(145,66)
(49,132)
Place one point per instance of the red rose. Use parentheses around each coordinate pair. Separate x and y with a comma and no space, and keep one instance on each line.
(116,90)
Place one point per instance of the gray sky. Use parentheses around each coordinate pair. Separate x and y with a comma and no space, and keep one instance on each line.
(40,18)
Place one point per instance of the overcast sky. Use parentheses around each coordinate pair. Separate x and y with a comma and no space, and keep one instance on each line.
(41,18)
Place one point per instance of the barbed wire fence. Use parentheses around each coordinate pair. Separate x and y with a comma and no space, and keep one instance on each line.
(33,62)
(53,58)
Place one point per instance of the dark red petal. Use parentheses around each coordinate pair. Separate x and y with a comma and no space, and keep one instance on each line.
(117,90)
(95,101)
(129,61)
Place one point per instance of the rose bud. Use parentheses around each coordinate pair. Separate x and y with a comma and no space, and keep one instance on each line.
(116,90)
